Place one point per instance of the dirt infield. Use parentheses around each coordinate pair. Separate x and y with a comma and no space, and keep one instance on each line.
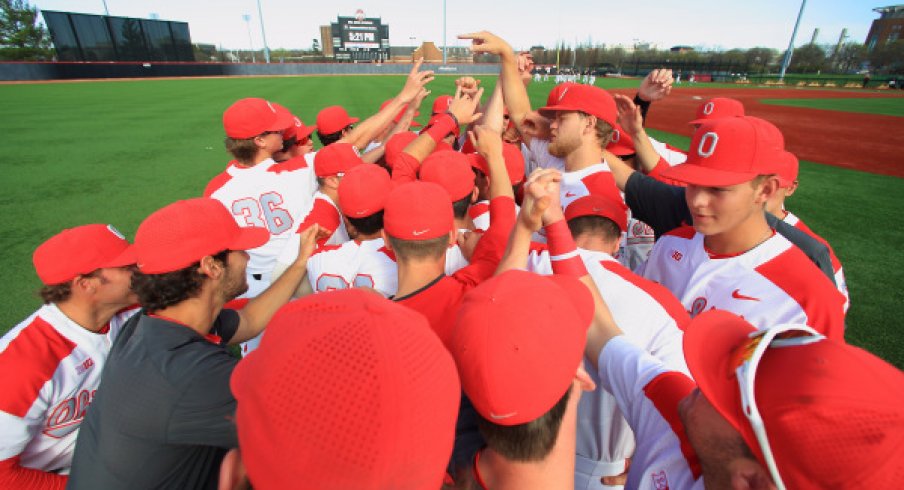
(865,142)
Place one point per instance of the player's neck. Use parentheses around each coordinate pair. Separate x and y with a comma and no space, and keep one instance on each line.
(584,156)
(596,243)
(415,274)
(197,313)
(741,238)
(555,471)
(331,192)
(91,318)
(258,158)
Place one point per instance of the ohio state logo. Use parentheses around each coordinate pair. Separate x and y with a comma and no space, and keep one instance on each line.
(616,135)
(660,480)
(359,15)
(66,417)
(697,306)
(708,108)
(707,145)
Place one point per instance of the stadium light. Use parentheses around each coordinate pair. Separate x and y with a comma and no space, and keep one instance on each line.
(787,60)
(250,41)
(260,14)
(444,32)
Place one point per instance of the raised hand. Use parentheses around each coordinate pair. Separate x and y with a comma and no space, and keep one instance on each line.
(656,85)
(415,82)
(463,106)
(630,117)
(486,140)
(487,42)
(468,85)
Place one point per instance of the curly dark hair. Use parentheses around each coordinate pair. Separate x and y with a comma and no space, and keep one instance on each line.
(158,291)
(330,138)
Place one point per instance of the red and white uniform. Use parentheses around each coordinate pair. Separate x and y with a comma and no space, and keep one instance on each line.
(53,368)
(479,213)
(672,155)
(651,318)
(271,195)
(840,282)
(325,213)
(536,155)
(637,242)
(354,264)
(648,394)
(770,284)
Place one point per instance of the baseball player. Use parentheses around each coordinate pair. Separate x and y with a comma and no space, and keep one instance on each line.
(514,164)
(787,178)
(769,410)
(257,190)
(297,142)
(367,398)
(54,358)
(731,259)
(363,261)
(162,416)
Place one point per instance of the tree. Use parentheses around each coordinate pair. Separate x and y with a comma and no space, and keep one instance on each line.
(758,59)
(808,59)
(21,37)
(888,58)
(850,57)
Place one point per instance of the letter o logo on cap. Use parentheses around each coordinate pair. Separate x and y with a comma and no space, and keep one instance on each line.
(709,141)
(562,95)
(708,108)
(616,135)
(297,122)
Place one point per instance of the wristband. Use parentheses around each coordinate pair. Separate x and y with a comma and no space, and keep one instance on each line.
(442,127)
(563,253)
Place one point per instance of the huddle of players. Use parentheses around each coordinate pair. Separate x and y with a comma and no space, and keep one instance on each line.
(470,374)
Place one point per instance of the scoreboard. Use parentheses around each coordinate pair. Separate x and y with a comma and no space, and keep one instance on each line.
(360,38)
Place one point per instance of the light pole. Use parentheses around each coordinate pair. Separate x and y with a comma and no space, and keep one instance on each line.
(260,15)
(250,42)
(444,32)
(106,10)
(787,60)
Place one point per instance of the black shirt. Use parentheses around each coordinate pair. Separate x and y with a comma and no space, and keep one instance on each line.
(664,208)
(163,414)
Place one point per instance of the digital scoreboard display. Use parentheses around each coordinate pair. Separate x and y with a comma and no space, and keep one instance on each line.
(360,38)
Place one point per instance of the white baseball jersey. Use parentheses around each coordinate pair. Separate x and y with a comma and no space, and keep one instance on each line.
(537,156)
(323,212)
(651,318)
(772,283)
(648,394)
(673,156)
(52,370)
(271,195)
(840,282)
(637,242)
(354,264)
(479,213)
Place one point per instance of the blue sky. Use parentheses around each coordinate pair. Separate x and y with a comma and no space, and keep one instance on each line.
(721,24)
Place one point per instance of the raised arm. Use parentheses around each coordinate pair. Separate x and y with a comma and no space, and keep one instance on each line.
(368,129)
(631,120)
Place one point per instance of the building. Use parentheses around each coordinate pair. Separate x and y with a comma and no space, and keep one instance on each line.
(887,28)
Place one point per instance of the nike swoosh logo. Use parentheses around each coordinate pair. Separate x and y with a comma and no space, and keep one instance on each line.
(501,417)
(569,194)
(736,294)
(419,233)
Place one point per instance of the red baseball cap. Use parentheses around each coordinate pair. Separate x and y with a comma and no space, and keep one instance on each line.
(347,390)
(514,162)
(184,232)
(825,404)
(718,107)
(556,92)
(298,130)
(418,211)
(333,119)
(729,151)
(80,250)
(414,124)
(451,170)
(247,118)
(395,145)
(441,104)
(611,207)
(335,159)
(518,342)
(789,167)
(456,130)
(584,98)
(621,144)
(363,190)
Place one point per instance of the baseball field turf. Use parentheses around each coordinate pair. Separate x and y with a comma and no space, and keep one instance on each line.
(115,151)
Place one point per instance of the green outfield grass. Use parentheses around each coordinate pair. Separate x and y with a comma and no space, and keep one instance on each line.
(113,152)
(885,106)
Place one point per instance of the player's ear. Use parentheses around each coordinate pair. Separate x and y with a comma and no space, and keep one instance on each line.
(791,189)
(386,242)
(232,472)
(583,378)
(767,189)
(474,194)
(211,267)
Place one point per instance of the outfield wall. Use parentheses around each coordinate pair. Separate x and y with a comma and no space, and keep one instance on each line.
(35,71)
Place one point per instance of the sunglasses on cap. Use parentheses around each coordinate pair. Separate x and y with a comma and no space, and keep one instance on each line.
(750,356)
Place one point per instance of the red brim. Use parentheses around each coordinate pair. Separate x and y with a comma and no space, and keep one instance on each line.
(284,120)
(250,237)
(127,257)
(619,149)
(556,108)
(710,342)
(690,173)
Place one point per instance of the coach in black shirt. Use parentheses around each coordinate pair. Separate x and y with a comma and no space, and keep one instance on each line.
(162,416)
